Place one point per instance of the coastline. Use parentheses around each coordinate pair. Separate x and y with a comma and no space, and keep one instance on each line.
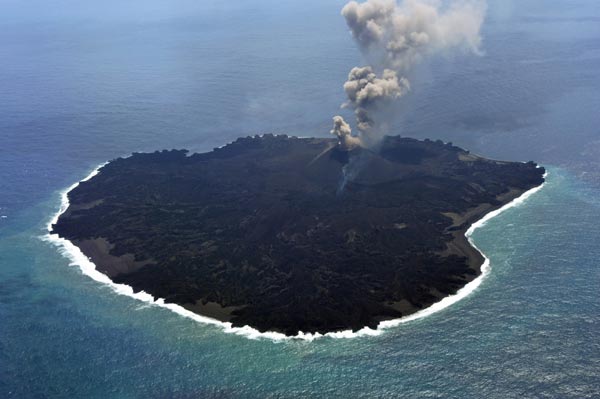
(87,267)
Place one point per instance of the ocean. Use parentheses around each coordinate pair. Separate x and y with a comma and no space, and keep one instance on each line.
(81,84)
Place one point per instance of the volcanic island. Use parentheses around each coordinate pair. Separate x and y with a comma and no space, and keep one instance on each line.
(293,234)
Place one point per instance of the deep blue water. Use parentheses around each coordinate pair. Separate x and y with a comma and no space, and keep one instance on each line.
(84,83)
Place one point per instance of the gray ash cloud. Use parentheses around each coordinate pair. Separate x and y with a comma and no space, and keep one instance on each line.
(394,38)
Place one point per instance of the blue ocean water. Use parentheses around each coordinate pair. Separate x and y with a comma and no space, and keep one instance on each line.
(83,83)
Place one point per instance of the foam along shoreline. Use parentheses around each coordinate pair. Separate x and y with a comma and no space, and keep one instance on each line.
(87,267)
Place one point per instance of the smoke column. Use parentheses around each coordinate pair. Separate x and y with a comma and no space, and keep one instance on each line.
(394,37)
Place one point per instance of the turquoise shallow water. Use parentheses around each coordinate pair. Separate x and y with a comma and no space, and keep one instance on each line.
(82,83)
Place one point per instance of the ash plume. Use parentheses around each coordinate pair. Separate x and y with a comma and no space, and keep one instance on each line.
(367,92)
(343,131)
(397,36)
(394,37)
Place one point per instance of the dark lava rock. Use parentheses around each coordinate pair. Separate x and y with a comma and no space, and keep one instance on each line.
(290,234)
